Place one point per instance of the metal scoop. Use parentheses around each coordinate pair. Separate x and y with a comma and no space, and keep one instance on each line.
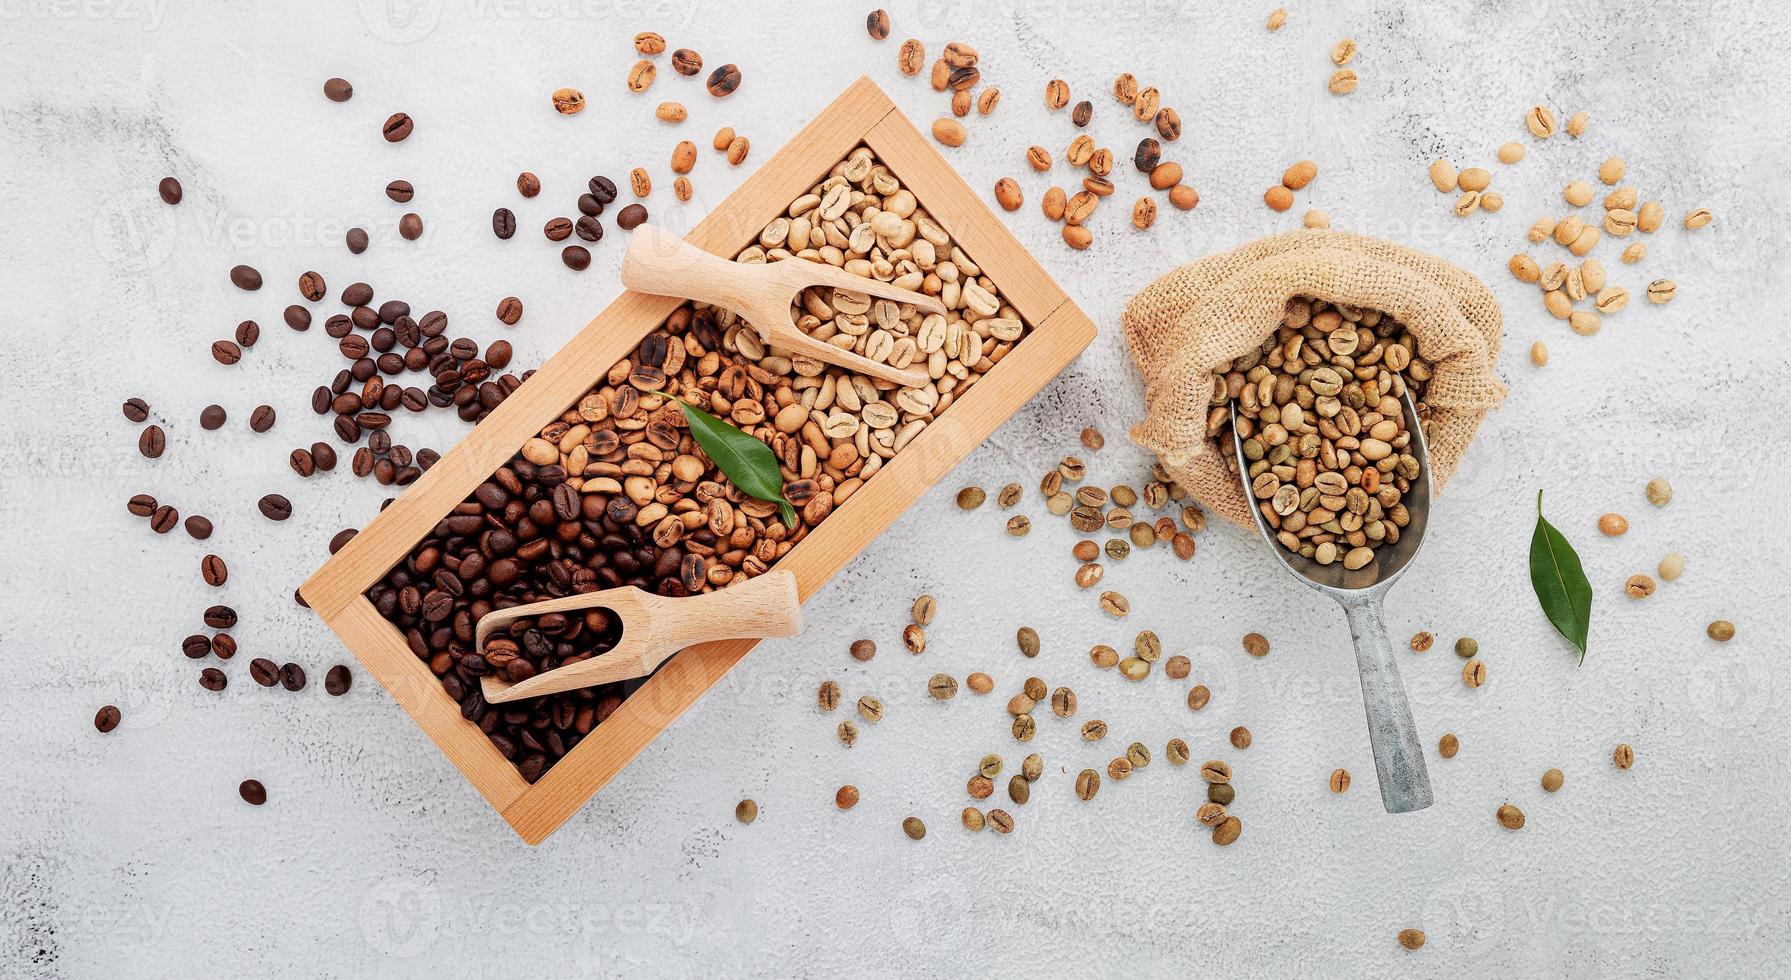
(1398,758)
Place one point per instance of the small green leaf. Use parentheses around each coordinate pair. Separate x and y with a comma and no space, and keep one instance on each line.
(1559,582)
(746,461)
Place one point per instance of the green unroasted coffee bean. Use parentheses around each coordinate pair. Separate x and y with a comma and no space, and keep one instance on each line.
(1138,755)
(1176,752)
(1024,728)
(990,766)
(1018,789)
(1088,783)
(1032,767)
(746,811)
(1221,793)
(914,828)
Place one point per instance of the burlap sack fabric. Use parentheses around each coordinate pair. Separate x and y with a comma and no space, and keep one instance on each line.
(1206,313)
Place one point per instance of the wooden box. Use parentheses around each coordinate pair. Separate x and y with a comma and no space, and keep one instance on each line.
(863,114)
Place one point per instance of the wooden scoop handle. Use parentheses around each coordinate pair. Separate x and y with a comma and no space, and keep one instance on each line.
(663,264)
(765,606)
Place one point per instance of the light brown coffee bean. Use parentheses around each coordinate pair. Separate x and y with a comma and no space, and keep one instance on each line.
(949,131)
(1198,697)
(1000,821)
(943,687)
(1115,605)
(1057,94)
(1008,195)
(1177,667)
(1623,756)
(1552,780)
(1138,755)
(1340,780)
(1240,737)
(980,683)
(911,57)
(568,101)
(1230,828)
(1176,751)
(924,609)
(640,77)
(1134,669)
(1215,771)
(1018,789)
(1094,730)
(1009,496)
(863,650)
(1510,817)
(1024,728)
(1088,783)
(1120,768)
(1721,630)
(1088,575)
(1411,938)
(1018,525)
(1473,673)
(1063,702)
(846,797)
(829,695)
(746,811)
(1448,745)
(847,732)
(1032,767)
(988,100)
(913,828)
(972,819)
(1020,704)
(870,708)
(980,786)
(1211,814)
(914,638)
(1144,213)
(1422,641)
(1256,645)
(1028,640)
(1103,656)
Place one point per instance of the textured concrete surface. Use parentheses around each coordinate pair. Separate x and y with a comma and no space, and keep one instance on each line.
(130,854)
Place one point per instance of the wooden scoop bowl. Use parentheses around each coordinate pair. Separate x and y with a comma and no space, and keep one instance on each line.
(653,628)
(661,263)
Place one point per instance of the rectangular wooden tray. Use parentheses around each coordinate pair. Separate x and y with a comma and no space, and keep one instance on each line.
(863,114)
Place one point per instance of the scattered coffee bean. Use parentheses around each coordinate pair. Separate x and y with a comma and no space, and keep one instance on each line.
(943,687)
(264,671)
(1094,730)
(914,637)
(980,683)
(398,127)
(198,528)
(337,89)
(136,409)
(226,352)
(1018,789)
(568,101)
(410,226)
(970,498)
(1473,673)
(746,811)
(356,239)
(1552,780)
(1028,640)
(220,617)
(262,418)
(1221,793)
(107,718)
(1024,728)
(1198,696)
(196,646)
(169,189)
(972,818)
(1256,645)
(292,677)
(631,217)
(401,191)
(576,257)
(245,277)
(248,334)
(846,797)
(141,505)
(1115,605)
(1119,769)
(274,507)
(913,828)
(1510,817)
(1240,737)
(1411,938)
(1422,641)
(1088,783)
(509,310)
(877,24)
(252,792)
(1448,745)
(163,519)
(686,62)
(223,646)
(152,441)
(1623,756)
(870,708)
(1215,771)
(213,679)
(724,81)
(213,570)
(1721,630)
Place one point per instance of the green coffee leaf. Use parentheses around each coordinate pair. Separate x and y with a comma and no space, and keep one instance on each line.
(1559,582)
(749,463)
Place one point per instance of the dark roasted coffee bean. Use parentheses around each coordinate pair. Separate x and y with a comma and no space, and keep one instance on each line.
(292,677)
(527,184)
(427,458)
(223,646)
(342,538)
(213,679)
(363,318)
(509,310)
(262,418)
(264,671)
(220,617)
(302,462)
(252,792)
(107,718)
(163,519)
(1083,112)
(557,229)
(152,441)
(589,228)
(136,409)
(169,188)
(196,647)
(392,309)
(413,399)
(724,81)
(347,429)
(1147,155)
(877,23)
(338,680)
(686,62)
(373,420)
(274,507)
(589,205)
(248,333)
(212,417)
(321,399)
(410,226)
(356,240)
(433,323)
(361,463)
(214,571)
(337,89)
(576,257)
(400,191)
(297,317)
(323,456)
(503,223)
(245,277)
(339,325)
(604,190)
(312,287)
(357,294)
(142,505)
(398,127)
(354,347)
(631,217)
(226,352)
(198,528)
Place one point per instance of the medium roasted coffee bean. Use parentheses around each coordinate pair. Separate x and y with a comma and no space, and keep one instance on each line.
(274,507)
(357,294)
(220,617)
(212,417)
(214,571)
(877,23)
(252,792)
(527,184)
(686,62)
(245,277)
(264,671)
(509,310)
(356,240)
(136,409)
(398,127)
(106,718)
(213,679)
(589,228)
(196,647)
(498,354)
(401,191)
(292,677)
(576,257)
(337,681)
(302,462)
(1147,156)
(169,189)
(262,418)
(226,352)
(248,333)
(557,229)
(198,528)
(1082,113)
(152,441)
(163,519)
(631,217)
(503,223)
(724,81)
(312,287)
(337,89)
(410,226)
(323,456)
(142,505)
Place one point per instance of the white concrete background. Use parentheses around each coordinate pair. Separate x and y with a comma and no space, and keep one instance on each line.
(130,854)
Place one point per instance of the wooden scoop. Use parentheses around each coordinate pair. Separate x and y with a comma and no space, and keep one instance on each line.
(661,263)
(653,628)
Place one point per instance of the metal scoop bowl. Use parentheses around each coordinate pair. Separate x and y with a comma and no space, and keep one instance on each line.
(1398,758)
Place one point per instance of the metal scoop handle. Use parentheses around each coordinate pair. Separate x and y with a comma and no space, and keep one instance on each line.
(1398,758)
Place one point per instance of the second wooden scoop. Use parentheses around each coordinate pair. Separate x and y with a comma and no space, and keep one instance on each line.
(661,263)
(653,628)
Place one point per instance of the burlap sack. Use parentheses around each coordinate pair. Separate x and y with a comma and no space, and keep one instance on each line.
(1206,313)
